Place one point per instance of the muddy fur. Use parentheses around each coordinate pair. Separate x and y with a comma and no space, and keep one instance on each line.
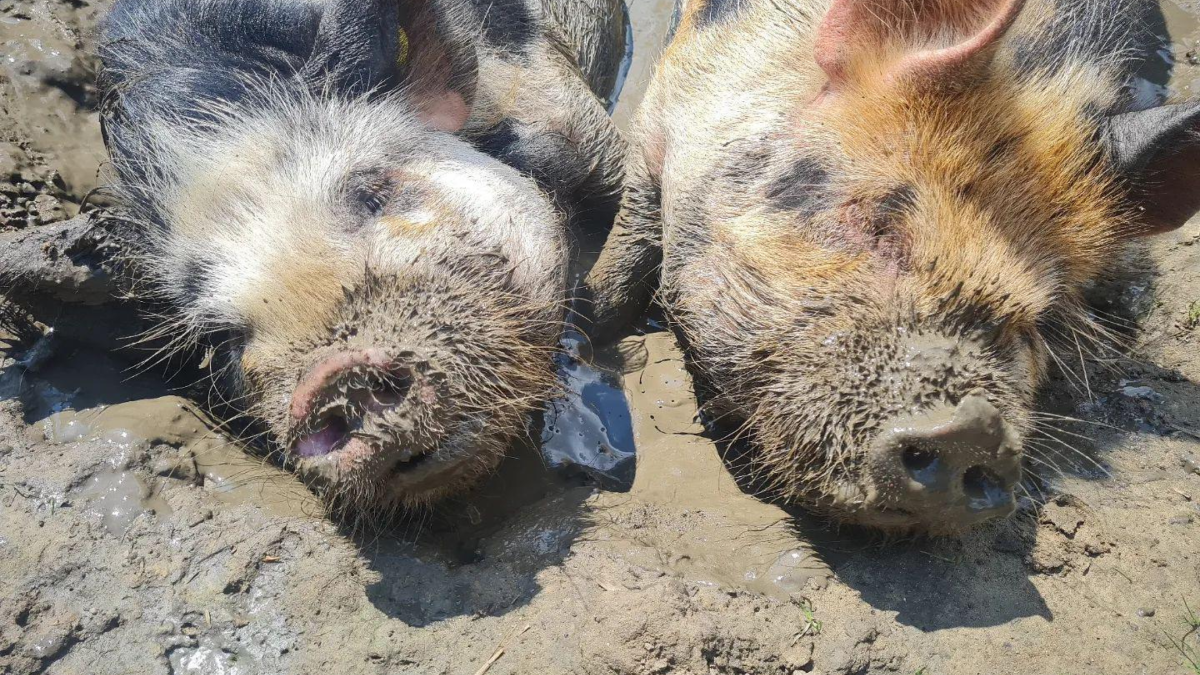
(285,210)
(483,351)
(815,236)
(464,310)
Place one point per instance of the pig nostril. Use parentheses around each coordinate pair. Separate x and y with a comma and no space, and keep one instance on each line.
(337,424)
(917,459)
(379,390)
(981,483)
(332,435)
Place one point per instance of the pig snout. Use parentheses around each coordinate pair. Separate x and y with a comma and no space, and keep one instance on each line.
(950,467)
(367,407)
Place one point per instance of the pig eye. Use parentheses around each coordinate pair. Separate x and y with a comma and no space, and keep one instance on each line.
(370,194)
(372,201)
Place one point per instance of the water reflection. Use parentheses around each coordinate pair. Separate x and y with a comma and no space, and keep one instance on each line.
(588,427)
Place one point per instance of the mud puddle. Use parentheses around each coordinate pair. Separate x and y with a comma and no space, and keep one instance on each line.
(693,519)
(144,444)
(1181,53)
(93,400)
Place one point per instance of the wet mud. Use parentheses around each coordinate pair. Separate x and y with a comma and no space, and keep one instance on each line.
(138,535)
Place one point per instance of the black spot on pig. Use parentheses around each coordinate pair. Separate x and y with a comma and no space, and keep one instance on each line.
(251,38)
(1002,149)
(718,11)
(1097,32)
(507,25)
(801,188)
(496,141)
(897,201)
(356,48)
(550,158)
(891,209)
(193,282)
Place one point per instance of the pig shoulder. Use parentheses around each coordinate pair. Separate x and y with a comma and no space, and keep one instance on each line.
(546,74)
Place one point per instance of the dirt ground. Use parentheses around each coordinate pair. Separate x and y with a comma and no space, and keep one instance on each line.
(135,537)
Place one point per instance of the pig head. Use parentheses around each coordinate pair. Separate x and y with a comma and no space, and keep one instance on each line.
(871,220)
(352,206)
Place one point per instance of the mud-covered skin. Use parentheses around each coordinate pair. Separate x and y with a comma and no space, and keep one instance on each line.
(829,203)
(476,358)
(362,211)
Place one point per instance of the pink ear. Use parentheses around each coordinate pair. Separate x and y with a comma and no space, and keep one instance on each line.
(445,111)
(440,68)
(865,29)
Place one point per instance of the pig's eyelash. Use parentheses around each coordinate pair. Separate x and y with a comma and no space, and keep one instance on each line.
(371,192)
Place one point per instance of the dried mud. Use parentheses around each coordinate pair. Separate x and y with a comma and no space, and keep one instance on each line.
(137,537)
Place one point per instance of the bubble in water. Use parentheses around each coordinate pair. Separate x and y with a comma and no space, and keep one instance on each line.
(123,443)
(118,497)
(218,483)
(211,659)
(793,569)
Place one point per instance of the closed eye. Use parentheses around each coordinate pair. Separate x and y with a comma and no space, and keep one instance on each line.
(369,193)
(372,200)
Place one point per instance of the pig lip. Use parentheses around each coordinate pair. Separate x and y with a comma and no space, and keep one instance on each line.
(336,451)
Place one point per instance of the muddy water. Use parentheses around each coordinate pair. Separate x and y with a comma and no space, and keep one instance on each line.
(69,403)
(651,21)
(1183,55)
(717,534)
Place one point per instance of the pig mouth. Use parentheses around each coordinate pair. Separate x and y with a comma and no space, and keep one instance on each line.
(334,441)
(371,423)
(341,457)
(346,446)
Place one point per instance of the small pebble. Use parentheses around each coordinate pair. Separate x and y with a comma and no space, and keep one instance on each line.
(1191,463)
(1146,612)
(1144,393)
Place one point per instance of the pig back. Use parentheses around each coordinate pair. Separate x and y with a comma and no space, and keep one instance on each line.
(1121,36)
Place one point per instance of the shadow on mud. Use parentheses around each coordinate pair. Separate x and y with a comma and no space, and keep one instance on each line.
(480,554)
(69,375)
(476,555)
(937,584)
(979,579)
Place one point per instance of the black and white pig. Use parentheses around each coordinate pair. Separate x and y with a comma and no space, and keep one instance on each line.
(366,209)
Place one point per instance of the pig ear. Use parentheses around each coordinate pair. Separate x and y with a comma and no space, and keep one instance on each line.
(438,65)
(1157,153)
(924,39)
(366,45)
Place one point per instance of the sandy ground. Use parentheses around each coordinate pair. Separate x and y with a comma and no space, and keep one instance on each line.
(136,538)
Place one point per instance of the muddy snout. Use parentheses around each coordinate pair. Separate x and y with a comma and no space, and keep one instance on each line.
(368,407)
(947,468)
